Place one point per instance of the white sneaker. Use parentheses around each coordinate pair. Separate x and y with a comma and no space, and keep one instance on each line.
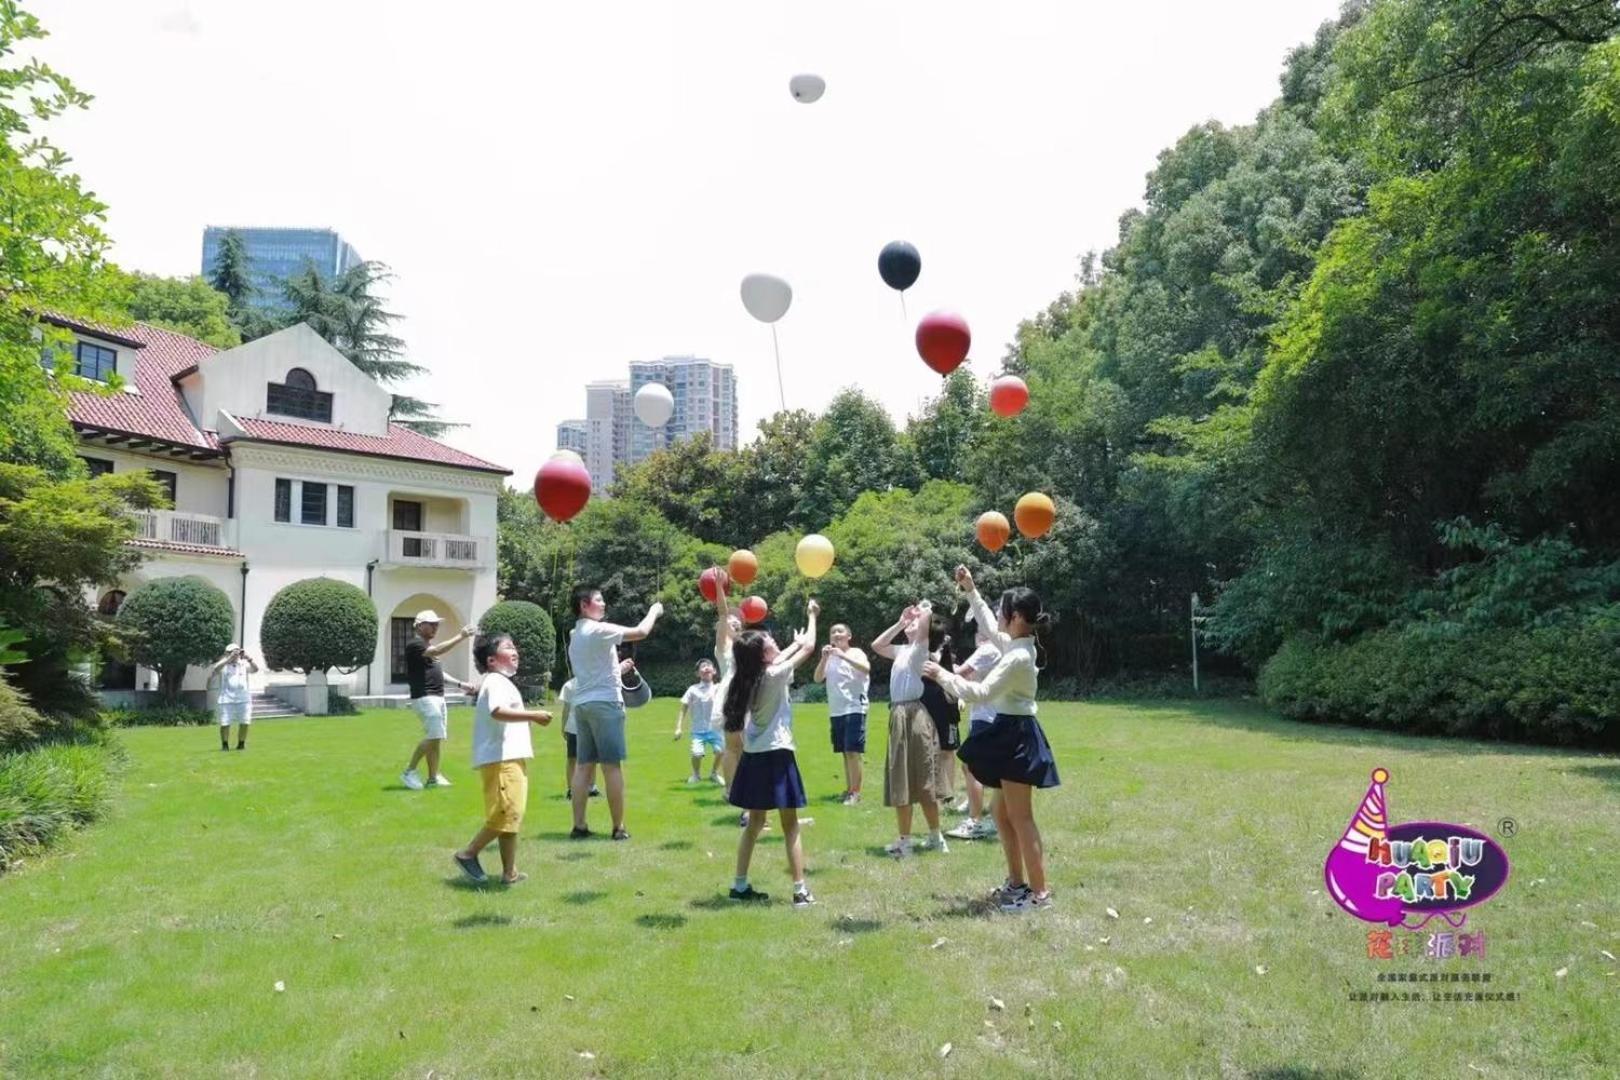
(968,830)
(411,780)
(691,779)
(931,844)
(984,829)
(441,781)
(717,778)
(900,848)
(961,806)
(1027,901)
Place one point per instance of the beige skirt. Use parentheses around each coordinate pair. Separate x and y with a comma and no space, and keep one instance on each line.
(911,774)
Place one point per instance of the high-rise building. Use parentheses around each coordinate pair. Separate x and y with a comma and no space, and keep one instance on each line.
(607,411)
(275,254)
(573,435)
(705,396)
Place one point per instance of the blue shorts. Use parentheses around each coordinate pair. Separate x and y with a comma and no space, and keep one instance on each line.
(600,739)
(849,733)
(710,740)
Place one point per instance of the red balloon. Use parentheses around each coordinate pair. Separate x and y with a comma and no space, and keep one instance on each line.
(562,487)
(711,581)
(943,340)
(1008,396)
(753,610)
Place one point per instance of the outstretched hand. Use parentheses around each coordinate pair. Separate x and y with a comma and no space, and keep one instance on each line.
(964,579)
(815,608)
(931,670)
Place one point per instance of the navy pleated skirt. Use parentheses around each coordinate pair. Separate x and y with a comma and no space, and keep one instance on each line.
(768,781)
(1010,748)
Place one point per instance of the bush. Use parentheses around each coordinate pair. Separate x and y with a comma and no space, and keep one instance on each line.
(173,623)
(534,636)
(340,705)
(1556,683)
(19,723)
(158,716)
(318,624)
(48,791)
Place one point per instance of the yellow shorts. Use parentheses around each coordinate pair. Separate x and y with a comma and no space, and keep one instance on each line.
(506,793)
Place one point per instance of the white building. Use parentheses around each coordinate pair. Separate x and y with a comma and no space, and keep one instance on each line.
(574,435)
(283,465)
(705,396)
(607,430)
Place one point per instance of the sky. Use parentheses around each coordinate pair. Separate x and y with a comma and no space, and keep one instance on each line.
(564,188)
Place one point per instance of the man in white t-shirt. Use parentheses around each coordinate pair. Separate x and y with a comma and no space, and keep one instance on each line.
(501,750)
(699,703)
(848,675)
(235,702)
(598,702)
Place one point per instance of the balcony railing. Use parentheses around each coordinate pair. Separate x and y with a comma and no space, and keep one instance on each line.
(176,527)
(436,549)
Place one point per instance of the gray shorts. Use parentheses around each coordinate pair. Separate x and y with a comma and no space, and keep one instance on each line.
(601,733)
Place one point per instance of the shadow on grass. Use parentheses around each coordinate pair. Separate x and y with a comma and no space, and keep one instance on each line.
(584,896)
(847,925)
(717,902)
(466,884)
(676,845)
(1298,1072)
(1609,774)
(1249,716)
(661,922)
(962,907)
(561,837)
(487,918)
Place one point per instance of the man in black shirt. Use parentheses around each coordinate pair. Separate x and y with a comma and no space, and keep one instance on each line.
(426,677)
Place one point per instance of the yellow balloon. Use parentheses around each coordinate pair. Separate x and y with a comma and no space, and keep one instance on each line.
(814,555)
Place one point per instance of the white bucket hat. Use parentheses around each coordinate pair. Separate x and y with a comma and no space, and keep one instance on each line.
(427,615)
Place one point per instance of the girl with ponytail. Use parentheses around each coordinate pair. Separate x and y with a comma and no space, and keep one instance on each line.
(1011,754)
(758,706)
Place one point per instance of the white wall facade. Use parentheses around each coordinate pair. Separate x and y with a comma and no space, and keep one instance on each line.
(236,382)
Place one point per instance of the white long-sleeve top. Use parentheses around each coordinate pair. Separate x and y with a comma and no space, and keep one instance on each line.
(1011,684)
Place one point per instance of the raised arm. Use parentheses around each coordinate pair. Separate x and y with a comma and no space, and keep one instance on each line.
(827,652)
(982,614)
(974,693)
(857,660)
(506,714)
(642,629)
(883,643)
(440,648)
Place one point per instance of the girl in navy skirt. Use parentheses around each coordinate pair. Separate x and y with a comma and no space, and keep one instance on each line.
(1011,755)
(757,704)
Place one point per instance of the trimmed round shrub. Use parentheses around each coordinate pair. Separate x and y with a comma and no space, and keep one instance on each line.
(173,623)
(532,633)
(318,624)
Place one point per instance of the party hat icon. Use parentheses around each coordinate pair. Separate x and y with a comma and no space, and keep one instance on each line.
(1351,880)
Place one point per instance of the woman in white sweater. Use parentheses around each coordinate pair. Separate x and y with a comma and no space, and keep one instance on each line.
(1011,755)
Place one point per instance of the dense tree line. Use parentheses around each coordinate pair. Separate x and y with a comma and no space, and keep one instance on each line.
(1348,374)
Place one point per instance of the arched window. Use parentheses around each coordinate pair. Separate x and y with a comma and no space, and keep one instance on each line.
(110,603)
(298,397)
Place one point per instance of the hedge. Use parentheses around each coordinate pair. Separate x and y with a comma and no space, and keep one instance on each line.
(318,624)
(48,791)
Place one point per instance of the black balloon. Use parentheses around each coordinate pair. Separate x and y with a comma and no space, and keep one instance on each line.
(899,264)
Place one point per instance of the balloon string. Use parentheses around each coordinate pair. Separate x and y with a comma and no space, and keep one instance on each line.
(903,315)
(781,388)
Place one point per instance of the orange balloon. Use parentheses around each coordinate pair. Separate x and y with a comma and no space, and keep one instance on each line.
(743,566)
(1034,515)
(993,530)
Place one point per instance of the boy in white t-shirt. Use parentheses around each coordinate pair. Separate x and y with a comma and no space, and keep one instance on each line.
(570,734)
(501,752)
(699,703)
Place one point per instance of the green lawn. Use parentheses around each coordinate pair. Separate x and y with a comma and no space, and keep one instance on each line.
(151,944)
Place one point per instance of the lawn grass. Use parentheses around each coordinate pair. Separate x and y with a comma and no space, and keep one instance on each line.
(151,944)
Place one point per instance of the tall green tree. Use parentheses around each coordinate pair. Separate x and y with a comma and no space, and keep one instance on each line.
(696,488)
(187,306)
(853,448)
(942,438)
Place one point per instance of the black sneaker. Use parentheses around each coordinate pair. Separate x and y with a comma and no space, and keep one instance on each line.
(578,833)
(750,893)
(802,900)
(620,834)
(595,792)
(241,746)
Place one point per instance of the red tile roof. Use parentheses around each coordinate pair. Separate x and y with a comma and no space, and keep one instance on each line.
(184,549)
(159,410)
(400,442)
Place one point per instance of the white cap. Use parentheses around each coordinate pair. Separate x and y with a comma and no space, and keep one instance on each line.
(232,647)
(427,615)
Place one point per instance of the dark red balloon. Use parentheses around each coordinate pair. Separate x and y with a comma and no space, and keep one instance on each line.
(562,487)
(753,610)
(943,340)
(711,581)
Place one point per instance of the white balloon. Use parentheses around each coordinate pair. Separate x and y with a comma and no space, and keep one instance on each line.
(807,89)
(766,296)
(570,455)
(654,404)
